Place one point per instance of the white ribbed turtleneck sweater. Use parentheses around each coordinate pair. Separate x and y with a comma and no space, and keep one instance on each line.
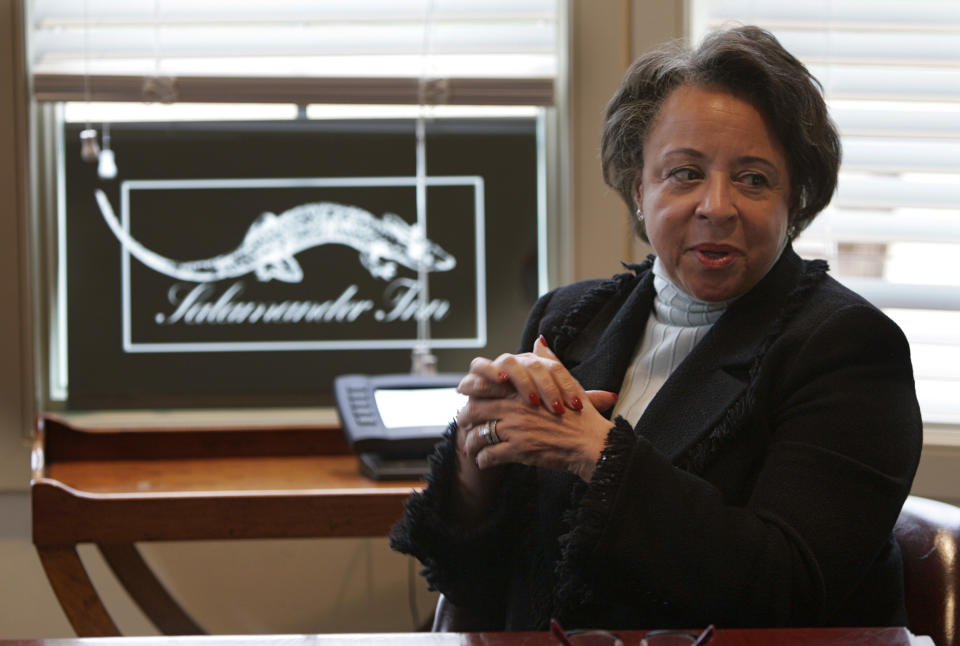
(678,322)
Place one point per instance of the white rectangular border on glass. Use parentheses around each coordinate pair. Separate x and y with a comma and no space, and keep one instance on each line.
(479,341)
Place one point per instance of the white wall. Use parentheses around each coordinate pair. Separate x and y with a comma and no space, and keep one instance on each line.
(14,419)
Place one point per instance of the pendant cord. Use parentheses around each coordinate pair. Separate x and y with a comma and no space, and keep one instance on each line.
(424,362)
(86,69)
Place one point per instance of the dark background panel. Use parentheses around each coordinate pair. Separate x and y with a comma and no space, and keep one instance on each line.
(101,374)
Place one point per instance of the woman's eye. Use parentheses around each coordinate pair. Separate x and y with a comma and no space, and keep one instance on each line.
(685,174)
(754,180)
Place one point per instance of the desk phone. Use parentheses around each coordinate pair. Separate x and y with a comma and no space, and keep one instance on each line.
(393,422)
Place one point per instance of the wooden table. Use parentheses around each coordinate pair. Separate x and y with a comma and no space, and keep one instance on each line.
(787,637)
(118,486)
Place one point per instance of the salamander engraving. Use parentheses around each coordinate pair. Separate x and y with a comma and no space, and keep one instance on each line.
(272,241)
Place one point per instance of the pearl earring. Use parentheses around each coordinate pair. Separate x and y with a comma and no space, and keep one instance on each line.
(639,214)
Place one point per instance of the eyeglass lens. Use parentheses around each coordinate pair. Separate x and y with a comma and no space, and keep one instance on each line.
(668,638)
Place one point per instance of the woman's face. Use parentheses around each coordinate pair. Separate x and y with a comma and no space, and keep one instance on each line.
(714,192)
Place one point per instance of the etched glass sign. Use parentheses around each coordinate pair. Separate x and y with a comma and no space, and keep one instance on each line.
(250,263)
(258,296)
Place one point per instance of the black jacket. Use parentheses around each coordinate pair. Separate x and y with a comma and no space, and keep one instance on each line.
(759,488)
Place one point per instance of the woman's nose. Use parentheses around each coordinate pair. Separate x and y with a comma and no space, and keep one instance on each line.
(716,202)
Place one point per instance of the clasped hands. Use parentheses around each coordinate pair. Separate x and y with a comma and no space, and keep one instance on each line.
(544,416)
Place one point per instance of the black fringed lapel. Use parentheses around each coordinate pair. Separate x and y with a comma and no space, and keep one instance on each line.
(595,338)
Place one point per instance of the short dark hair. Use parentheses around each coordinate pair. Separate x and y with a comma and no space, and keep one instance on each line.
(750,63)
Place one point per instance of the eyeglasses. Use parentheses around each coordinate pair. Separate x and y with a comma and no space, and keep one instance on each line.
(607,638)
(677,637)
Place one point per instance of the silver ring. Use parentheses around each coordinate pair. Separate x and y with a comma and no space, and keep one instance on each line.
(491,432)
(485,433)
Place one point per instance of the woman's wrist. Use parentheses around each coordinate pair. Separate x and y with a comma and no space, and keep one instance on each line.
(587,466)
(592,452)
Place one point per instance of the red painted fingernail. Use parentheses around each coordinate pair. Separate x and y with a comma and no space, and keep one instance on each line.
(543,340)
(557,407)
(502,377)
(616,396)
(534,399)
(577,404)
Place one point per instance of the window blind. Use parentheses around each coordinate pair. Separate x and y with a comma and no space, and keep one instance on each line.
(457,52)
(891,76)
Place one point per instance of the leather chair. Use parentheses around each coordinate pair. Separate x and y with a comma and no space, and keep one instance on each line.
(928,533)
(929,536)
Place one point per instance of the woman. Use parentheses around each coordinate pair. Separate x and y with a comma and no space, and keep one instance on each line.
(766,431)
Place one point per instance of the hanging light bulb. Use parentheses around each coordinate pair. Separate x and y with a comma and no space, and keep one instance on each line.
(89,148)
(107,168)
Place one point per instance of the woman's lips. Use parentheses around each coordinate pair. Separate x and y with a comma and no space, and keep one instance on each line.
(714,255)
